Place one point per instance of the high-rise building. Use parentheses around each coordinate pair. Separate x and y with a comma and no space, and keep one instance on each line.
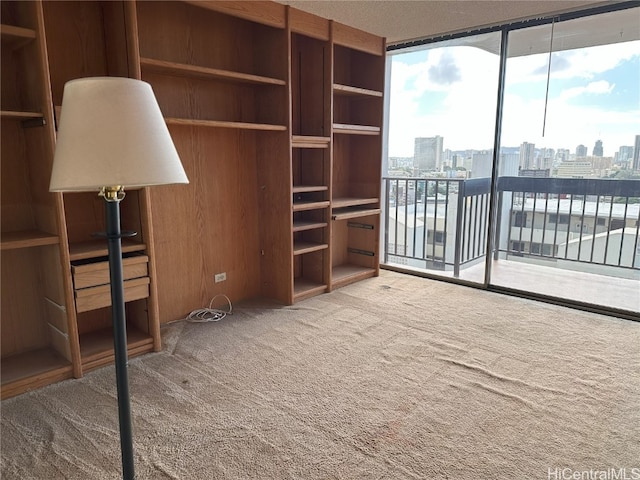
(624,156)
(455,158)
(597,149)
(562,154)
(635,165)
(545,159)
(579,168)
(581,151)
(508,165)
(527,155)
(446,156)
(427,153)
(482,164)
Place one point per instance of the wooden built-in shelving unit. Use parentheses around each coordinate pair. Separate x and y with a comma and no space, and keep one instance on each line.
(103,47)
(36,348)
(310,153)
(276,115)
(357,121)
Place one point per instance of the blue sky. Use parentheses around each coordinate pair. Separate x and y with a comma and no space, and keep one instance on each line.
(594,93)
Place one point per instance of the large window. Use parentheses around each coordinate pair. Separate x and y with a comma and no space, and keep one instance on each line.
(561,217)
(571,114)
(441,129)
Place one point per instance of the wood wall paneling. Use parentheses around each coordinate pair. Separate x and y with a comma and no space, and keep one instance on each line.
(210,225)
(17,209)
(358,69)
(75,42)
(308,92)
(191,35)
(23,322)
(20,80)
(356,166)
(273,177)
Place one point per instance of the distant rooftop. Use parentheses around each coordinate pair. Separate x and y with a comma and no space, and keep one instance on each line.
(590,207)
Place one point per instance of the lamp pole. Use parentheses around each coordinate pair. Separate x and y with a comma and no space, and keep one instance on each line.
(112,197)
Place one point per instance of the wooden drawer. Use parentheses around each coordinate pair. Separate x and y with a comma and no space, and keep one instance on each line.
(91,281)
(98,297)
(87,275)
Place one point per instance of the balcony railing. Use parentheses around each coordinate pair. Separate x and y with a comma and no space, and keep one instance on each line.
(442,224)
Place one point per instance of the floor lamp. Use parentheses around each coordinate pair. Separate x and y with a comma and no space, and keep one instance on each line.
(112,135)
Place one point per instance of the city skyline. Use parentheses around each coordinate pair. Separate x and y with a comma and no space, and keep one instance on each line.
(578,151)
(452,92)
(431,159)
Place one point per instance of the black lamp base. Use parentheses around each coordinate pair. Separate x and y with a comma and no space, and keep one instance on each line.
(118,318)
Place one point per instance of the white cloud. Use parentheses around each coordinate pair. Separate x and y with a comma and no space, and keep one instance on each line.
(599,87)
(460,117)
(567,125)
(463,111)
(582,63)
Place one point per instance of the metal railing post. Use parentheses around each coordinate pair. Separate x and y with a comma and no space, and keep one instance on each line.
(459,225)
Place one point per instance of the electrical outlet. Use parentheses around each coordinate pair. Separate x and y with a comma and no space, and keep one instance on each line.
(220,277)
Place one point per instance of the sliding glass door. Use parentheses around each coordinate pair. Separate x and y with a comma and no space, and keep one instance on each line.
(561,220)
(568,195)
(438,173)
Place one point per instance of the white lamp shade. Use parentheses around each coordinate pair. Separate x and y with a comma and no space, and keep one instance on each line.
(112,133)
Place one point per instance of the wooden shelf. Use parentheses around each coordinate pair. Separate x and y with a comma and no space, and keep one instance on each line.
(347,213)
(186,70)
(32,369)
(302,247)
(301,206)
(26,239)
(348,273)
(357,92)
(339,89)
(16,37)
(342,202)
(309,188)
(187,122)
(304,141)
(19,115)
(96,347)
(301,226)
(98,248)
(304,288)
(355,129)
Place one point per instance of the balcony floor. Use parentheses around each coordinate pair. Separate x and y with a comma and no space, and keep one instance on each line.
(602,290)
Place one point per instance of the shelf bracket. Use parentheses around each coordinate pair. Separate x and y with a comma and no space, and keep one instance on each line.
(361,252)
(360,225)
(33,122)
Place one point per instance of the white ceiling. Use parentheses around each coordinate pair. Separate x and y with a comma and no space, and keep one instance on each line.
(402,20)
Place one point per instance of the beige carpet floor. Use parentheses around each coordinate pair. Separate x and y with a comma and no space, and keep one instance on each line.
(395,377)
